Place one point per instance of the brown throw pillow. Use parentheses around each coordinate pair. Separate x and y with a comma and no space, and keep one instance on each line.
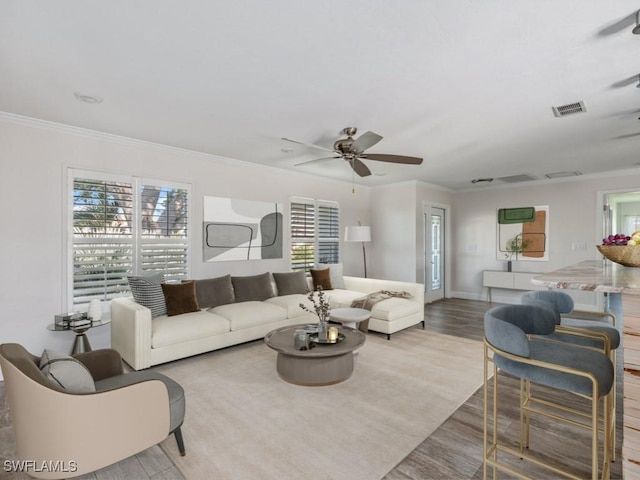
(180,297)
(321,278)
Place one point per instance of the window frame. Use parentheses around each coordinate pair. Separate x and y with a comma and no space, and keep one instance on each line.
(316,241)
(138,241)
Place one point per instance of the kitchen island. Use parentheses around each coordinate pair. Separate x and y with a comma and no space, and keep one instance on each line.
(622,288)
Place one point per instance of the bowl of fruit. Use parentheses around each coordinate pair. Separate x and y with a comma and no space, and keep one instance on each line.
(622,249)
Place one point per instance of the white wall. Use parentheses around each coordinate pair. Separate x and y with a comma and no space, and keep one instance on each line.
(393,229)
(34,157)
(397,219)
(573,217)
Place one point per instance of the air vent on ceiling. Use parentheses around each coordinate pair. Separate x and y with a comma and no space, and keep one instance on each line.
(481,180)
(562,174)
(517,178)
(569,109)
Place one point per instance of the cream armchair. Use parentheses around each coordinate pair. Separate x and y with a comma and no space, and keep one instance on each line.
(127,414)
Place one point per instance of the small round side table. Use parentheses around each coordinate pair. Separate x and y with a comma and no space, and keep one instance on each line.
(81,342)
(349,317)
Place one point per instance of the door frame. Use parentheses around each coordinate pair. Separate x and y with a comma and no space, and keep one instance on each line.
(601,223)
(426,253)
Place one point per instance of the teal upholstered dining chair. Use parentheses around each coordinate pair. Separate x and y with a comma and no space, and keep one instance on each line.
(514,344)
(561,302)
(94,421)
(591,329)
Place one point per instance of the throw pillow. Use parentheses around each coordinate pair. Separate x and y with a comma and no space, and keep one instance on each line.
(321,278)
(291,283)
(180,297)
(335,271)
(213,292)
(253,288)
(147,291)
(66,372)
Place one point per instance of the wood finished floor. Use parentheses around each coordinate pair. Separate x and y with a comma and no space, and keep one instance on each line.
(452,452)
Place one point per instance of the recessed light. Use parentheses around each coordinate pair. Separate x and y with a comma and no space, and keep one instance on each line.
(87,98)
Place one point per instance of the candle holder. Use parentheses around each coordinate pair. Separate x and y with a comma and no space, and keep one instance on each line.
(332,334)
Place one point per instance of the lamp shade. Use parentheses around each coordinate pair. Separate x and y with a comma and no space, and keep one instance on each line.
(357,234)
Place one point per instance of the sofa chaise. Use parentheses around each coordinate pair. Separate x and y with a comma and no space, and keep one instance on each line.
(220,312)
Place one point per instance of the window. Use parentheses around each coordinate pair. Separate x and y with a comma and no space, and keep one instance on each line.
(315,233)
(123,226)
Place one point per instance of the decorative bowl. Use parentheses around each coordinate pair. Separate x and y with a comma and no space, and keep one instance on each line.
(626,255)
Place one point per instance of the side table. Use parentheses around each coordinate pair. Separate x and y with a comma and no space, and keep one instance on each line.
(349,317)
(81,342)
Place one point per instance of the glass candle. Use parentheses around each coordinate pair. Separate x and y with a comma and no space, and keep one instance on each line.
(333,334)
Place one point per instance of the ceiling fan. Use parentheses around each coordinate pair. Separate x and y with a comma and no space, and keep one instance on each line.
(353,151)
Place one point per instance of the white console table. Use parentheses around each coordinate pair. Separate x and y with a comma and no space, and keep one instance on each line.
(509,280)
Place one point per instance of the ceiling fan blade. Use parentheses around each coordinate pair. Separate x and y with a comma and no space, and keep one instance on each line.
(366,140)
(308,144)
(381,157)
(310,162)
(359,167)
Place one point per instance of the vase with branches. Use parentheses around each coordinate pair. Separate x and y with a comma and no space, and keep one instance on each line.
(321,309)
(515,246)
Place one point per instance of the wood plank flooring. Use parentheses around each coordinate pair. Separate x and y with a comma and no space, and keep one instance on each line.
(454,450)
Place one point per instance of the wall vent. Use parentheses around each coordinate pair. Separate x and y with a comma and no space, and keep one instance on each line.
(517,178)
(569,109)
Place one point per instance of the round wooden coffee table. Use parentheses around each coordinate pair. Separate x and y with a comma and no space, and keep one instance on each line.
(325,364)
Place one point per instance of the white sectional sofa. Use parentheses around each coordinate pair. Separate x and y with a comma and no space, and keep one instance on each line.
(144,340)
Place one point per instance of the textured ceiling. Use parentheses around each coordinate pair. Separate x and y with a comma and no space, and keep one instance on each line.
(467,85)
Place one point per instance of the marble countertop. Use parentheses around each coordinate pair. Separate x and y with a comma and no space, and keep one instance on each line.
(593,275)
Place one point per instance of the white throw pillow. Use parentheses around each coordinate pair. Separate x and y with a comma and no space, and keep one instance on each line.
(66,372)
(335,273)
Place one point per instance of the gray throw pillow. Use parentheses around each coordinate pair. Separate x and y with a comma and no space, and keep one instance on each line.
(291,283)
(213,292)
(147,291)
(335,272)
(66,372)
(253,288)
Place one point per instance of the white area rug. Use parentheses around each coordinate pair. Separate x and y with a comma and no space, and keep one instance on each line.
(244,422)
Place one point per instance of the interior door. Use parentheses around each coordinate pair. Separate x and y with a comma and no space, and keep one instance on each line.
(434,253)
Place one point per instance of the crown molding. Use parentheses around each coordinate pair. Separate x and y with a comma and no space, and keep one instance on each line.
(134,142)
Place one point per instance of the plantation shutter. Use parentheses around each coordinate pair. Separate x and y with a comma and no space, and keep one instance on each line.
(124,226)
(102,239)
(164,235)
(315,233)
(328,232)
(302,236)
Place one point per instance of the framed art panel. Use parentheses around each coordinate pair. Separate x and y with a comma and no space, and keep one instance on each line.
(236,229)
(523,233)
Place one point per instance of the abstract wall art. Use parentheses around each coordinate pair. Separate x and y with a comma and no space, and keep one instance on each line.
(236,229)
(523,233)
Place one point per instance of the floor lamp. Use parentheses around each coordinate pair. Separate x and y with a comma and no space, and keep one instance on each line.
(359,234)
